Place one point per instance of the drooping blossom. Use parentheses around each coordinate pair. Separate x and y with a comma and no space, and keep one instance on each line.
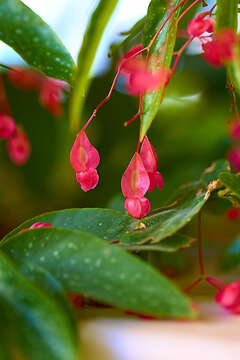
(135,183)
(84,158)
(130,54)
(18,147)
(200,25)
(139,77)
(7,126)
(51,94)
(23,78)
(229,297)
(36,225)
(233,213)
(235,130)
(150,162)
(234,158)
(219,49)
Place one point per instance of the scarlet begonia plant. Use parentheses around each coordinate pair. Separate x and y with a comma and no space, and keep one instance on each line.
(93,256)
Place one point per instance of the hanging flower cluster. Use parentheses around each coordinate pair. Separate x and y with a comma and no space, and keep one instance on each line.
(141,77)
(18,145)
(218,48)
(50,91)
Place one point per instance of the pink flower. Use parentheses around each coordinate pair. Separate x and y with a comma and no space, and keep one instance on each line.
(220,48)
(139,78)
(88,179)
(200,25)
(130,54)
(150,162)
(23,78)
(18,147)
(137,207)
(135,183)
(235,130)
(50,95)
(84,159)
(7,126)
(232,214)
(234,158)
(229,297)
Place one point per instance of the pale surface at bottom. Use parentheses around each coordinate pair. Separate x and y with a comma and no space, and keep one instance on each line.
(216,335)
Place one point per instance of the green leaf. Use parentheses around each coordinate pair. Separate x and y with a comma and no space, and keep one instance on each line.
(231,256)
(167,222)
(42,329)
(131,35)
(86,56)
(227,17)
(171,244)
(232,182)
(34,40)
(163,48)
(107,224)
(51,286)
(212,173)
(226,14)
(89,265)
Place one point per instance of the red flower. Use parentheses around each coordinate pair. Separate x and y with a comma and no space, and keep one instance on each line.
(232,214)
(50,95)
(135,183)
(84,158)
(7,126)
(229,297)
(137,207)
(23,78)
(220,49)
(234,158)
(139,78)
(200,25)
(18,147)
(235,130)
(150,162)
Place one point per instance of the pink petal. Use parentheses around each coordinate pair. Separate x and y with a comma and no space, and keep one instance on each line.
(156,179)
(50,95)
(18,147)
(221,48)
(135,181)
(148,156)
(229,297)
(83,154)
(234,158)
(40,225)
(143,81)
(7,126)
(88,179)
(137,207)
(23,78)
(124,62)
(199,25)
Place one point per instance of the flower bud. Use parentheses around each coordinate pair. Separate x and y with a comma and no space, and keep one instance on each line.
(7,126)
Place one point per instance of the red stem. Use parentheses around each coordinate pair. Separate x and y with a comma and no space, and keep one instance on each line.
(138,144)
(104,100)
(189,8)
(137,114)
(214,282)
(195,283)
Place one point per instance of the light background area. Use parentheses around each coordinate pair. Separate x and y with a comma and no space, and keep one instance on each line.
(69,19)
